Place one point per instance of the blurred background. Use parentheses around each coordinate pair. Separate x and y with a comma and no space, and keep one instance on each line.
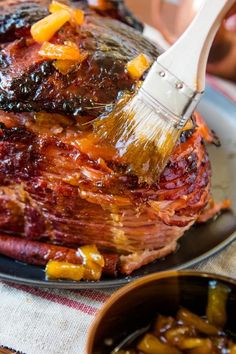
(171,17)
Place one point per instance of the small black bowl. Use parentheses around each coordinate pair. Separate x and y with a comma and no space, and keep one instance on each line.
(135,306)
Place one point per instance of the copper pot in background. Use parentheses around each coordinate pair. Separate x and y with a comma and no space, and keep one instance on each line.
(171,17)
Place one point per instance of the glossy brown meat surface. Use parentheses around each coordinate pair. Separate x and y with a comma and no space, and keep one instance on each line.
(61,186)
(17,16)
(30,83)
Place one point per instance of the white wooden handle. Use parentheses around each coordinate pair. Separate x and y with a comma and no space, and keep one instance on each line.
(187,58)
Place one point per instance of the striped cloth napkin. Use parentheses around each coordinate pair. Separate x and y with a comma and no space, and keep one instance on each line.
(43,321)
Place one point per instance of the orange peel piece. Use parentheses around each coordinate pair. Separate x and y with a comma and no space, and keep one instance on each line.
(91,269)
(64,270)
(93,262)
(61,52)
(64,66)
(44,30)
(57,6)
(137,66)
(76,15)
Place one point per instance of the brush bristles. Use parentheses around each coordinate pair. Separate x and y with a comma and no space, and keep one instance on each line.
(144,137)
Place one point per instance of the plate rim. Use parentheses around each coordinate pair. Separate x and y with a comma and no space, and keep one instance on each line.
(108,284)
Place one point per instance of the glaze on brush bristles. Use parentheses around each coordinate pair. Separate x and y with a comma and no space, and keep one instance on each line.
(145,127)
(144,136)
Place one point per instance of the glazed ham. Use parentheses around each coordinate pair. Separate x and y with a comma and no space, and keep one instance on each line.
(59,185)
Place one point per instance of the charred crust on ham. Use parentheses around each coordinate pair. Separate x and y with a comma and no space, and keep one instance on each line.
(32,83)
(17,17)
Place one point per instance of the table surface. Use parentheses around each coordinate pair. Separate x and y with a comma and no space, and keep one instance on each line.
(43,321)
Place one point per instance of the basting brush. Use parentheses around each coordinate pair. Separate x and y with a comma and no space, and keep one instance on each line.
(144,127)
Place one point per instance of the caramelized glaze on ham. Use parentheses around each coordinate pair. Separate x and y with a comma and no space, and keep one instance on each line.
(28,82)
(58,184)
(52,191)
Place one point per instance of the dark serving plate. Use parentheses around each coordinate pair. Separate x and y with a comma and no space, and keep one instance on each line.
(197,244)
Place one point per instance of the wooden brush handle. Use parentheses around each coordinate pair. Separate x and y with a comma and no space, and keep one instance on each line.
(187,58)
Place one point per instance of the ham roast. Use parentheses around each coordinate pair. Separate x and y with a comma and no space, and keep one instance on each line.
(58,184)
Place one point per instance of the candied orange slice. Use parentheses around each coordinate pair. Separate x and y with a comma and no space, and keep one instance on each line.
(61,52)
(57,6)
(91,269)
(64,270)
(44,30)
(93,262)
(137,66)
(76,15)
(65,66)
